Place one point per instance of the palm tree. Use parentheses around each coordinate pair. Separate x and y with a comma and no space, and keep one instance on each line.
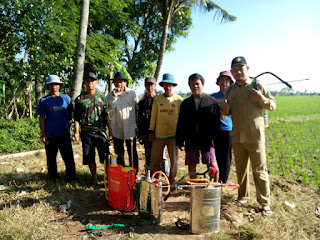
(170,8)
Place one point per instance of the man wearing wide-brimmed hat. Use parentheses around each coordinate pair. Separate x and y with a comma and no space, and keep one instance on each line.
(123,106)
(223,143)
(91,116)
(55,111)
(163,124)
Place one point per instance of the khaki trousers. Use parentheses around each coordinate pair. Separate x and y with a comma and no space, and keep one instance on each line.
(257,154)
(157,156)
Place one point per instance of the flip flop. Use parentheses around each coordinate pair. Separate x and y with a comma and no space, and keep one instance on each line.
(266,212)
(241,202)
(182,225)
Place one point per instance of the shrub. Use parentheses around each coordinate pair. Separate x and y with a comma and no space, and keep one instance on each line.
(18,136)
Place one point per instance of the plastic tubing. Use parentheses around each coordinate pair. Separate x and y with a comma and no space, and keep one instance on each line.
(198,181)
(228,186)
(165,177)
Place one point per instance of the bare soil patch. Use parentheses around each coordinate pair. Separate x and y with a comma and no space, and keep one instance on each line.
(30,206)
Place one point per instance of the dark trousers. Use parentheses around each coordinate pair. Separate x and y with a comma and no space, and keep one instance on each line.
(91,141)
(63,144)
(118,145)
(223,147)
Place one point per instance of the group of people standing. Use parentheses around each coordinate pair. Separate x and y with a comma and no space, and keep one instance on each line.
(202,125)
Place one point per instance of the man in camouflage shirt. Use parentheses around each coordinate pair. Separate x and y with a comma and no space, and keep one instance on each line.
(91,114)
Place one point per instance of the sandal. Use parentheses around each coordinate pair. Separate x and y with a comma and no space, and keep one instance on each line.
(240,202)
(182,225)
(266,212)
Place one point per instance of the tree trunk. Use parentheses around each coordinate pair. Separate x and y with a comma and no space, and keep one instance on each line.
(80,54)
(38,88)
(167,11)
(163,45)
(14,107)
(29,98)
(108,86)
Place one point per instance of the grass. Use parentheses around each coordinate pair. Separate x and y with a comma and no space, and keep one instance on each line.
(30,208)
(293,141)
(295,106)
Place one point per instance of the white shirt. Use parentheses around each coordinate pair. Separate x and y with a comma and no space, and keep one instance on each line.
(122,110)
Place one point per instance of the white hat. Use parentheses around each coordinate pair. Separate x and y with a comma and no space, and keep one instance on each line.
(54,79)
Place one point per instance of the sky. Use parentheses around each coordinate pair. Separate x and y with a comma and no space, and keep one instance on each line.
(282,37)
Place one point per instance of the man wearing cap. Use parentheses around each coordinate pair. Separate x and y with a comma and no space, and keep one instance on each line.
(123,106)
(245,104)
(91,115)
(144,115)
(223,143)
(197,128)
(55,111)
(163,125)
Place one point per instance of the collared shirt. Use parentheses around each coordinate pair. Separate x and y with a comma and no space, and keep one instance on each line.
(122,110)
(164,116)
(247,115)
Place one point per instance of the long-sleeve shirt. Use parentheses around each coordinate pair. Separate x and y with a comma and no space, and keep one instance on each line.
(247,115)
(198,127)
(122,110)
(144,115)
(164,116)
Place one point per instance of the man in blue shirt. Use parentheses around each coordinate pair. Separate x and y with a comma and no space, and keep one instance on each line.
(223,144)
(55,111)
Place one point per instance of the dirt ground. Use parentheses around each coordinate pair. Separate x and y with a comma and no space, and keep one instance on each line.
(89,206)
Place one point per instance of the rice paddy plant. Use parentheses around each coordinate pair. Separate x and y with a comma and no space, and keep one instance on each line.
(295,106)
(316,177)
(290,162)
(305,177)
(284,169)
(293,150)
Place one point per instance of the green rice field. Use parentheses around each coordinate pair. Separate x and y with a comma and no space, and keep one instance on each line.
(293,139)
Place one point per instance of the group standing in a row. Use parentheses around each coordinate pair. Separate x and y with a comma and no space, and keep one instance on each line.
(201,125)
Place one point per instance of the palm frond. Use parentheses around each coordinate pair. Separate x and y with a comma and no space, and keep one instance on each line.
(209,6)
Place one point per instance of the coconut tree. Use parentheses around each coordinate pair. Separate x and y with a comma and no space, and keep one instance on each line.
(171,8)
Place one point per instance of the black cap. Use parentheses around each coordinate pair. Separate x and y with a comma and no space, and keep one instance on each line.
(91,75)
(119,75)
(239,60)
(151,80)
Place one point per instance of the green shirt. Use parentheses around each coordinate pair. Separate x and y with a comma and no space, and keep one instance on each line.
(91,111)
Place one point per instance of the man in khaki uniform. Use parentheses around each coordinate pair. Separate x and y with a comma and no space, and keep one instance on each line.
(245,101)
